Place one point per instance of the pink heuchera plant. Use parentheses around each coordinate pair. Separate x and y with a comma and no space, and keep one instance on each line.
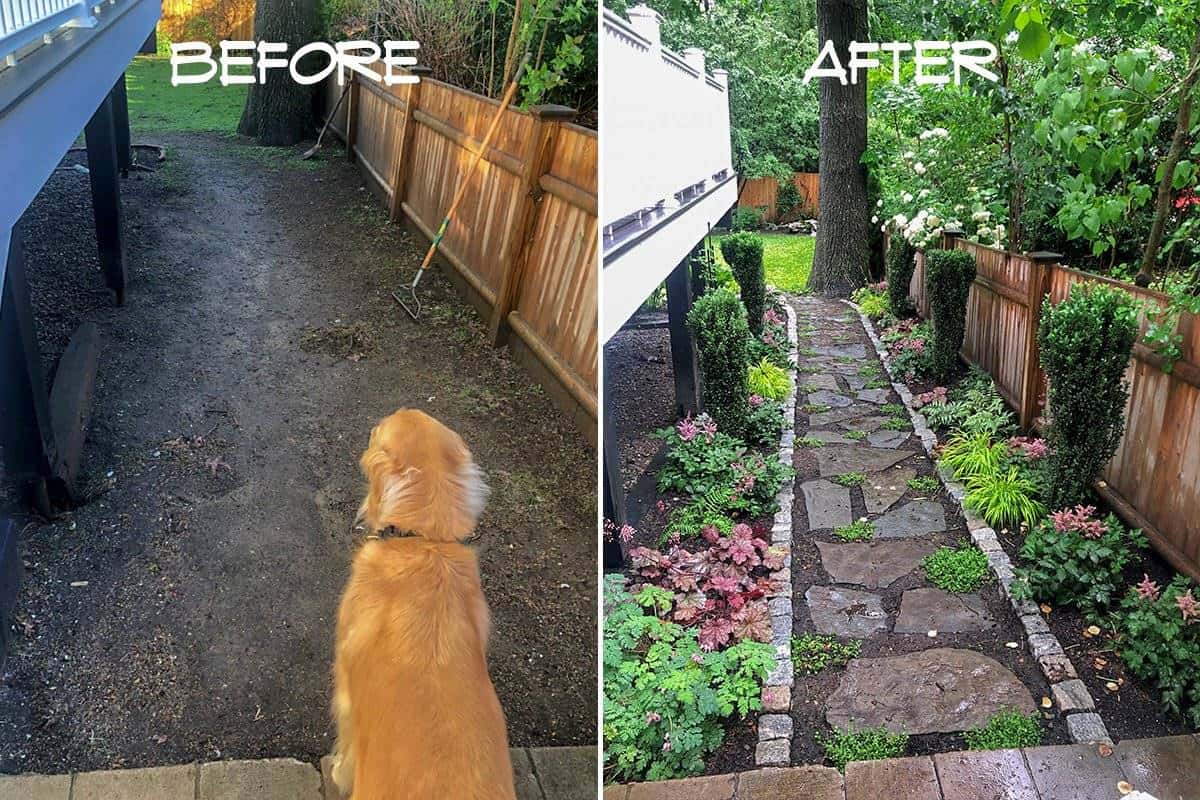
(935,395)
(1081,520)
(1033,448)
(1148,589)
(716,632)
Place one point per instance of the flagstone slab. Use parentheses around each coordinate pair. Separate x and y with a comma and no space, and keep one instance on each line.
(823,419)
(885,488)
(827,503)
(876,396)
(874,565)
(866,424)
(856,382)
(928,609)
(942,690)
(845,612)
(838,460)
(888,438)
(832,399)
(829,437)
(822,380)
(842,350)
(918,518)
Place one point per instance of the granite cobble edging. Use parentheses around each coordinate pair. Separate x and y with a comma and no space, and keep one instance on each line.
(775,722)
(1159,768)
(1069,693)
(540,773)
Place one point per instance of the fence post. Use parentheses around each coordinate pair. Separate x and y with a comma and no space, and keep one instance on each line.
(353,94)
(547,121)
(404,161)
(1040,264)
(950,236)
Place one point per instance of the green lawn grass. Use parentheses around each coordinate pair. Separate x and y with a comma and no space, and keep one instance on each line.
(787,260)
(156,105)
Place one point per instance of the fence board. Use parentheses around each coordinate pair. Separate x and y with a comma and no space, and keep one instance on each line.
(1153,480)
(207,20)
(555,275)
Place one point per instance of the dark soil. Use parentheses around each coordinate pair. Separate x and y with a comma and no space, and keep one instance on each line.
(186,610)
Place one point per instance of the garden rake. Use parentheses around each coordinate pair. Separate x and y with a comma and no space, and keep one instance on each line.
(414,310)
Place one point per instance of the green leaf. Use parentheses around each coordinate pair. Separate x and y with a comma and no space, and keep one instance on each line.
(1033,40)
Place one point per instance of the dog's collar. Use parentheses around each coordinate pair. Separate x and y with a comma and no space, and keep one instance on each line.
(392,532)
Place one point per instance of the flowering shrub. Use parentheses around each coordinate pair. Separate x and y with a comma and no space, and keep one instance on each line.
(1031,447)
(908,349)
(1159,640)
(665,699)
(1075,558)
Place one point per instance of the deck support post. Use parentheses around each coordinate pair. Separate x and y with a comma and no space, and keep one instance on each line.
(683,343)
(101,135)
(26,434)
(121,120)
(613,486)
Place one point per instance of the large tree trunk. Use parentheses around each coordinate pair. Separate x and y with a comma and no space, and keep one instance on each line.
(1162,203)
(279,112)
(840,262)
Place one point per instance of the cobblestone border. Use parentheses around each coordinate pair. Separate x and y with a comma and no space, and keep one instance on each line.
(775,720)
(1069,693)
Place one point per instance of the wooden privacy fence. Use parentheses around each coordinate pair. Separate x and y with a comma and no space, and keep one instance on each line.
(207,20)
(523,244)
(1153,480)
(761,193)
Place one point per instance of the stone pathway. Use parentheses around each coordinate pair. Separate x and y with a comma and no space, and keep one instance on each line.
(539,773)
(1162,768)
(932,661)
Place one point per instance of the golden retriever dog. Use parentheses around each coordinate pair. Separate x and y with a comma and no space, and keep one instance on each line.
(417,716)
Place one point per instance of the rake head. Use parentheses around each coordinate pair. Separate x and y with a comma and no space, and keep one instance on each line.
(413,310)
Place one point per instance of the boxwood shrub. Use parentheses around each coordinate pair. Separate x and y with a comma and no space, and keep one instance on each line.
(948,278)
(1085,345)
(718,320)
(744,254)
(901,261)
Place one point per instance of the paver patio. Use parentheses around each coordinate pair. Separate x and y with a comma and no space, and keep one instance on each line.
(540,773)
(1166,768)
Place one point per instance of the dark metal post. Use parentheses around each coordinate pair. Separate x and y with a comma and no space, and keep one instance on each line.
(25,430)
(121,120)
(683,345)
(101,138)
(614,491)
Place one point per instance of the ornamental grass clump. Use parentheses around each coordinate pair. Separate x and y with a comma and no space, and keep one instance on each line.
(718,320)
(948,278)
(743,252)
(901,261)
(1085,342)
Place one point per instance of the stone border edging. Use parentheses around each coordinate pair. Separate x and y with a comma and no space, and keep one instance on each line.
(775,721)
(1069,693)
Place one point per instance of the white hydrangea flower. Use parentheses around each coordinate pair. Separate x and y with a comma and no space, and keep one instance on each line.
(879,203)
(874,219)
(906,197)
(935,220)
(919,168)
(923,194)
(981,216)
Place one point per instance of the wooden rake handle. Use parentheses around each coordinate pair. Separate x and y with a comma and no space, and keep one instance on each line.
(505,101)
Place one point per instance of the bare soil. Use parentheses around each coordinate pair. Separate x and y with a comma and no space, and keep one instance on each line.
(186,610)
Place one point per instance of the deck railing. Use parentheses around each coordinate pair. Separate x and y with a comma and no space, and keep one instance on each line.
(665,121)
(23,22)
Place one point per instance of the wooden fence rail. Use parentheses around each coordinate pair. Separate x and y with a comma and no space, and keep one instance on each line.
(1153,480)
(523,245)
(762,193)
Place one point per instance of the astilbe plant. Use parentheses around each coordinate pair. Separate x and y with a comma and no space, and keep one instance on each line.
(1085,344)
(699,458)
(1159,640)
(1075,558)
(665,698)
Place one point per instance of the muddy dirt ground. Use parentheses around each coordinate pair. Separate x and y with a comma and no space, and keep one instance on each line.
(186,610)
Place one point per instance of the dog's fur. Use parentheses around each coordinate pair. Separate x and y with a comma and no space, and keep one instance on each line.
(416,713)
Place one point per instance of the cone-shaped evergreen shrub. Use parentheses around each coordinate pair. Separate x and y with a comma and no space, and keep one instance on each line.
(901,261)
(744,254)
(948,278)
(1085,345)
(719,321)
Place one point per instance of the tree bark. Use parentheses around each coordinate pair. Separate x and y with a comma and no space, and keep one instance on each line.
(279,112)
(841,258)
(1162,203)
